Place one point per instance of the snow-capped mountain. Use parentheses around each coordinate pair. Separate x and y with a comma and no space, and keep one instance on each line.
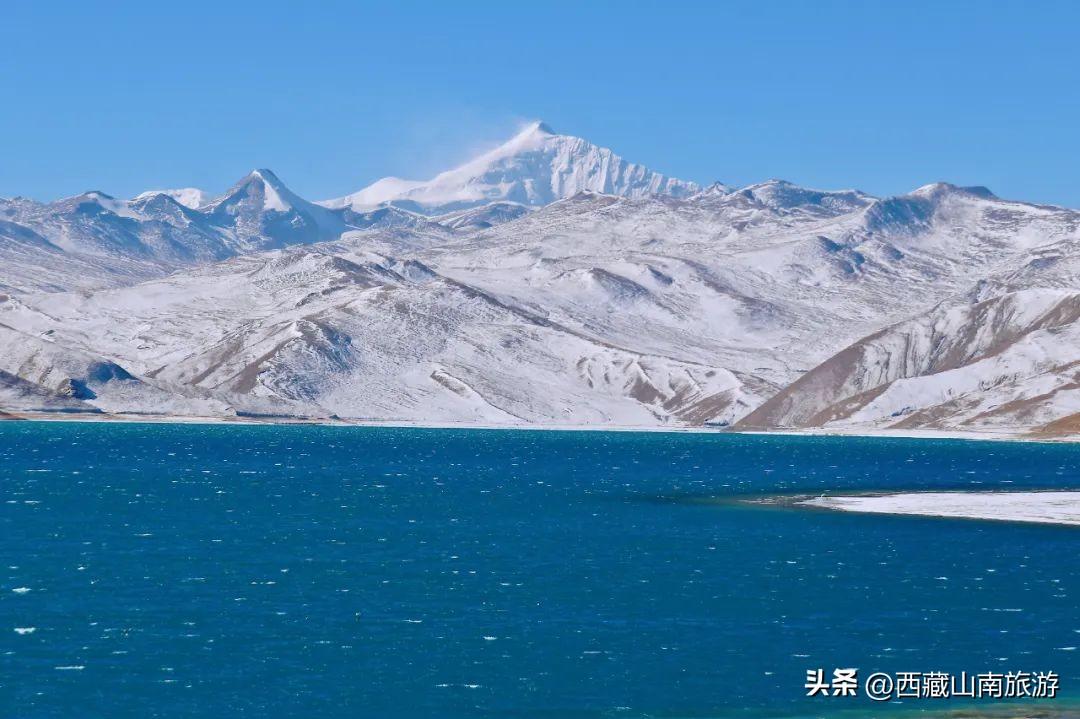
(93,223)
(783,196)
(190,197)
(479,298)
(534,168)
(94,240)
(263,213)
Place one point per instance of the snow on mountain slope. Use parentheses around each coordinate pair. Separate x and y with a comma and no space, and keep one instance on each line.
(765,289)
(95,241)
(265,214)
(647,310)
(510,290)
(783,196)
(308,333)
(40,375)
(1009,362)
(483,216)
(535,167)
(93,223)
(730,278)
(190,197)
(20,395)
(394,219)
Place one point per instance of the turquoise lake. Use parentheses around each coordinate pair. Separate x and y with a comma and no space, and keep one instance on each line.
(261,571)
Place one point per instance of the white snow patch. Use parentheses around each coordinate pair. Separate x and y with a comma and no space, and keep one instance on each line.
(1042,507)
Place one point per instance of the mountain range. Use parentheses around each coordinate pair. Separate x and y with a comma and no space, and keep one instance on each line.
(551,282)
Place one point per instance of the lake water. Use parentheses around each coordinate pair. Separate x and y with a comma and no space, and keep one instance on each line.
(220,571)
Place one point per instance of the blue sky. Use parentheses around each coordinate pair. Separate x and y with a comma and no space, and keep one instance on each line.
(880,96)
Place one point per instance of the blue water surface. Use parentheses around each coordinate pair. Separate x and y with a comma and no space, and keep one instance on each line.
(302,571)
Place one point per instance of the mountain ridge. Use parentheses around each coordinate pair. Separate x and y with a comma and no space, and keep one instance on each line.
(765,306)
(534,167)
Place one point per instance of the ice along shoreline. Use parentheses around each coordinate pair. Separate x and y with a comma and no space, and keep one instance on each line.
(1059,507)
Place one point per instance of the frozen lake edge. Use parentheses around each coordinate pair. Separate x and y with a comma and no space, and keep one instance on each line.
(1045,507)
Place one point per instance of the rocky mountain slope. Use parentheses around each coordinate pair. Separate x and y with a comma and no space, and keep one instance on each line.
(1004,363)
(548,282)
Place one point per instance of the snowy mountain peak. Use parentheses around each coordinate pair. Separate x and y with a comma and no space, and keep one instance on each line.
(538,129)
(94,201)
(716,189)
(191,197)
(266,176)
(534,168)
(937,190)
(259,212)
(916,211)
(784,196)
(260,186)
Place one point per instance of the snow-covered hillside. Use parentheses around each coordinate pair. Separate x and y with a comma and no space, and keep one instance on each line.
(304,332)
(548,282)
(1007,363)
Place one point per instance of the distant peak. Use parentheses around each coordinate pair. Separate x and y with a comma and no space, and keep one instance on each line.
(771,185)
(535,167)
(537,128)
(716,189)
(268,179)
(153,196)
(934,188)
(190,197)
(265,175)
(980,191)
(276,196)
(938,189)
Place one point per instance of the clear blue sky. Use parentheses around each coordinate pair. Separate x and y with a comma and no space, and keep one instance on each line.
(885,97)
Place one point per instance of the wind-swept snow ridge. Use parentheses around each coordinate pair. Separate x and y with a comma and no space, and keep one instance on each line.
(534,168)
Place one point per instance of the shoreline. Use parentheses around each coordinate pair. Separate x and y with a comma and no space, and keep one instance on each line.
(1060,507)
(285,420)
